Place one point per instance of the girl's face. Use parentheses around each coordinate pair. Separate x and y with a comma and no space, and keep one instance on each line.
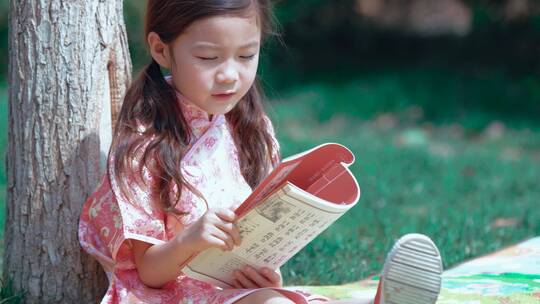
(214,62)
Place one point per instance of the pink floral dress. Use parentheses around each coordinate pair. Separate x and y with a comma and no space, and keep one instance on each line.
(109,222)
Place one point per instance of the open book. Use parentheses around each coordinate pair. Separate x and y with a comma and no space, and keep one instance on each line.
(304,195)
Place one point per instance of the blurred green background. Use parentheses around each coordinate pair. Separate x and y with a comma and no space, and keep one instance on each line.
(438,99)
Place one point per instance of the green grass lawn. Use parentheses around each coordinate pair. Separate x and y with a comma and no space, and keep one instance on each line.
(447,153)
(3,148)
(3,180)
(472,98)
(472,189)
(473,193)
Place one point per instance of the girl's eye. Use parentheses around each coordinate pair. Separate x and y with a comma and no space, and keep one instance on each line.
(207,58)
(250,57)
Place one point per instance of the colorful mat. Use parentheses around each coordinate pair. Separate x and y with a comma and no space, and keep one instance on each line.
(509,276)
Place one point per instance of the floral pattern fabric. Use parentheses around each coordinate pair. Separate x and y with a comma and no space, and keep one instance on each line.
(109,221)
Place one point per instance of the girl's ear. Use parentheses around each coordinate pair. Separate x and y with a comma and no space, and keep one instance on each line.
(159,50)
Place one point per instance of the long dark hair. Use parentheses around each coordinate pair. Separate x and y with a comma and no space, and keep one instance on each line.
(151,131)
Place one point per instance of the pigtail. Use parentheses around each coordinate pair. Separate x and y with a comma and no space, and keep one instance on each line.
(252,136)
(151,137)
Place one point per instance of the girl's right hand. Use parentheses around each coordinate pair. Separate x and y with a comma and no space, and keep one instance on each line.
(216,228)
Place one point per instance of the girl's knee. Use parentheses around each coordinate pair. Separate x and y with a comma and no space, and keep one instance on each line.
(265,297)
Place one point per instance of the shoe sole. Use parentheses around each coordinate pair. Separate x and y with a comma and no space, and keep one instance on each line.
(412,272)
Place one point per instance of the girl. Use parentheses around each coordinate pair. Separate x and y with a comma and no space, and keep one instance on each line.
(187,150)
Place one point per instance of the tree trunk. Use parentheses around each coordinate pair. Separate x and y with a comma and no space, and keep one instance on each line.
(69,66)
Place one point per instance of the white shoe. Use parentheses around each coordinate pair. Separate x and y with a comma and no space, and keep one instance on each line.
(412,272)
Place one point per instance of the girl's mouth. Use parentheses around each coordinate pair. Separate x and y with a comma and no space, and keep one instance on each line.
(225,96)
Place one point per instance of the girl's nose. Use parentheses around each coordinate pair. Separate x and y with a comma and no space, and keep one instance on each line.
(228,74)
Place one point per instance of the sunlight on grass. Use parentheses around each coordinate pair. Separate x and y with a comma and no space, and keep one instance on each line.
(461,189)
(444,95)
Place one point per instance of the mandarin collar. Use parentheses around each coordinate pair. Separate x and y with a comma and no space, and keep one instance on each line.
(197,118)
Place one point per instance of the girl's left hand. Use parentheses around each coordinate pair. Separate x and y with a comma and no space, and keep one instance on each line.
(249,277)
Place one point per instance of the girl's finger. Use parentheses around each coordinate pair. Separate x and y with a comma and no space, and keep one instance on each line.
(219,243)
(224,237)
(271,275)
(226,215)
(243,280)
(235,233)
(225,226)
(256,277)
(217,232)
(229,244)
(237,284)
(232,231)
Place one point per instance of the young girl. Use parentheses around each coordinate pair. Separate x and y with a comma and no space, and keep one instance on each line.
(187,150)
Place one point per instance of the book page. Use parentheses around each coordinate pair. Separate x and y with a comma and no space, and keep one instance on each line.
(271,234)
(322,171)
(270,184)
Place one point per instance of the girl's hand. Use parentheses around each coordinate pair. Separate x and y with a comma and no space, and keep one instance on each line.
(216,228)
(249,277)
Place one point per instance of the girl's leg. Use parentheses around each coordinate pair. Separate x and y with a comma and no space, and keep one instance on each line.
(411,273)
(274,297)
(355,301)
(266,296)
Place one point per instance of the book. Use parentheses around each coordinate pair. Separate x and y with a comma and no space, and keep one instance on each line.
(299,199)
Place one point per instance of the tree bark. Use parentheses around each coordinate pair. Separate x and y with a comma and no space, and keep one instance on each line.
(69,67)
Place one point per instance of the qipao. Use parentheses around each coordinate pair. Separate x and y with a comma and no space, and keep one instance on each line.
(109,222)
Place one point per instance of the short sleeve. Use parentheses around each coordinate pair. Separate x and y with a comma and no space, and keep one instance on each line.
(138,217)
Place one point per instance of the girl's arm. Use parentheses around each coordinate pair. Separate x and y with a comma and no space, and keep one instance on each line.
(159,264)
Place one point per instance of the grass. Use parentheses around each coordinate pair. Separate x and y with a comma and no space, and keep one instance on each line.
(473,193)
(3,147)
(6,291)
(428,160)
(472,98)
(7,296)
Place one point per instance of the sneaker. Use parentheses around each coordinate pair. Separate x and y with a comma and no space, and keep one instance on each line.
(412,272)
